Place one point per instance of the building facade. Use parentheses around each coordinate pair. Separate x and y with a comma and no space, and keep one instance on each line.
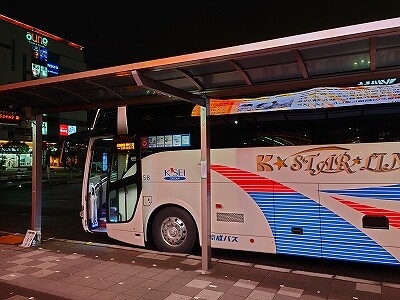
(28,53)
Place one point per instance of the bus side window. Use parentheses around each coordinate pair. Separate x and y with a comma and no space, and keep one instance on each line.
(375,222)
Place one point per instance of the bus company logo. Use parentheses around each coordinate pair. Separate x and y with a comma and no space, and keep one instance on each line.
(329,160)
(173,174)
(224,238)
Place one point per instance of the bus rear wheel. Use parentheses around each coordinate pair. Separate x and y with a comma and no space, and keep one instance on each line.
(174,230)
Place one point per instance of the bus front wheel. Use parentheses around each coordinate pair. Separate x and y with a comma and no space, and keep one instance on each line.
(174,230)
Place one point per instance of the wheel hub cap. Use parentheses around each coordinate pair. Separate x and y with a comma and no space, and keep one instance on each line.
(173,231)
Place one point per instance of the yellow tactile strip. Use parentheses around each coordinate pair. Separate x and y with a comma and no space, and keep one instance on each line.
(11,239)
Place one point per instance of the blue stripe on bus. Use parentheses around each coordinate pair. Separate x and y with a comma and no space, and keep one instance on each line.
(390,192)
(325,234)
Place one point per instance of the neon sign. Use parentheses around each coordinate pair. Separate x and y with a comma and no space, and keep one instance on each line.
(36,39)
(63,129)
(125,146)
(66,129)
(9,117)
(378,82)
(53,68)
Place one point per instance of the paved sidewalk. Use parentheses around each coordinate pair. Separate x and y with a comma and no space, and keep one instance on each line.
(64,269)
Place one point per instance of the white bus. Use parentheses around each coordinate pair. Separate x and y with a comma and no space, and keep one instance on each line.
(289,175)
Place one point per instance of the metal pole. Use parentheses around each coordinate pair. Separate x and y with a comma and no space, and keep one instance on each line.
(37,177)
(205,187)
(122,120)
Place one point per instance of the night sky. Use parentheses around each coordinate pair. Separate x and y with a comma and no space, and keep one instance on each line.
(122,34)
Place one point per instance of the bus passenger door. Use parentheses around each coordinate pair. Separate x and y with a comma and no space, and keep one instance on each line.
(95,184)
(124,189)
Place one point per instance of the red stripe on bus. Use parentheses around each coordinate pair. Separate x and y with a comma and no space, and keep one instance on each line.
(250,182)
(393,216)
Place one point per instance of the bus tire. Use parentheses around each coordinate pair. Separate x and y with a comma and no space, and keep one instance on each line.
(174,230)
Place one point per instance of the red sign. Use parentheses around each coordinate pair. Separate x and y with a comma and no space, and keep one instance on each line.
(144,141)
(63,129)
(9,117)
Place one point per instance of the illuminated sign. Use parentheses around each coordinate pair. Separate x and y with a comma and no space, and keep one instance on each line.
(36,39)
(124,142)
(66,130)
(35,52)
(71,129)
(10,117)
(63,130)
(105,163)
(43,72)
(43,53)
(125,146)
(315,98)
(35,70)
(378,82)
(39,71)
(44,128)
(39,61)
(53,69)
(168,140)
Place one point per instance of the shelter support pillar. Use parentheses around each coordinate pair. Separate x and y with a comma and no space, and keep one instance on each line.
(36,224)
(159,87)
(205,187)
(122,120)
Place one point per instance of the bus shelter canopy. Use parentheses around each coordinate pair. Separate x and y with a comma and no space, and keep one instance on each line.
(345,56)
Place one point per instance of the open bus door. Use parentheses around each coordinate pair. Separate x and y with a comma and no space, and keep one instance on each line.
(94,185)
(112,187)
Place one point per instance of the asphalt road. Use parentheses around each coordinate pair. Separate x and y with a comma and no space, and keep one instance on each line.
(61,204)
